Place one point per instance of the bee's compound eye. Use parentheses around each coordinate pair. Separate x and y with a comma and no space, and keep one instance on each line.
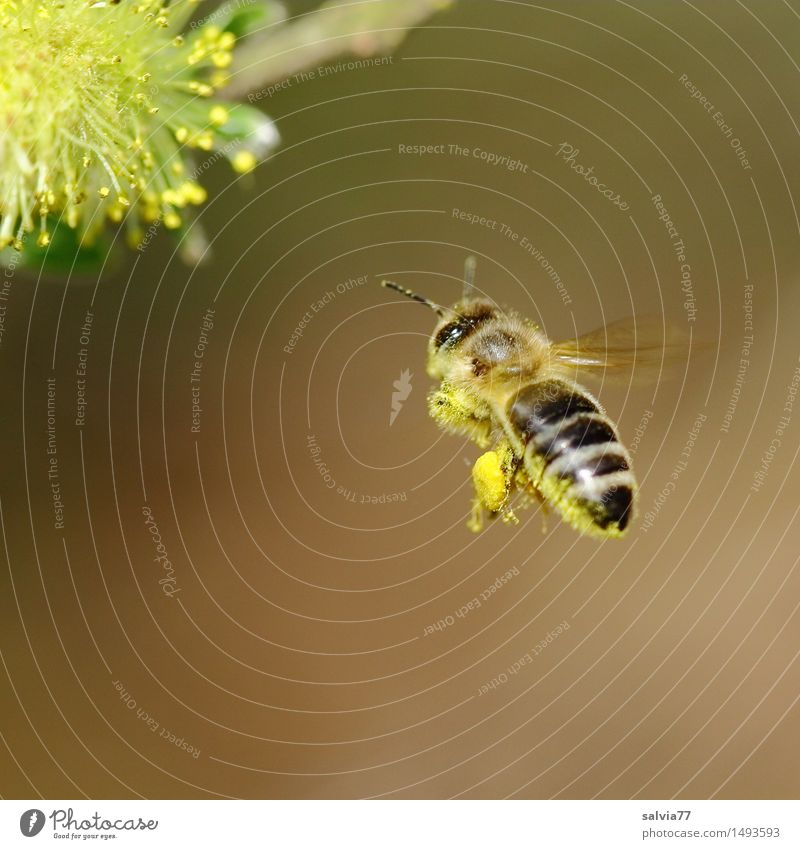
(454,331)
(451,333)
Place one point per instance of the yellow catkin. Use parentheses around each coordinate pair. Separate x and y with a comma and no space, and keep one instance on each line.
(85,110)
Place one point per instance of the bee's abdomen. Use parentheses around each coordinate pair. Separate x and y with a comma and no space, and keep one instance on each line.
(574,457)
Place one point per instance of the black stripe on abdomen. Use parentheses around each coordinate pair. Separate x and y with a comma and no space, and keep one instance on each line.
(613,507)
(580,468)
(575,446)
(545,403)
(582,430)
(554,419)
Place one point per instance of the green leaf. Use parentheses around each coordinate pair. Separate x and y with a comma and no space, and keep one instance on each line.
(242,19)
(64,255)
(247,128)
(246,122)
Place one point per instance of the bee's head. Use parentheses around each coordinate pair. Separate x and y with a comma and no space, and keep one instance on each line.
(453,329)
(455,323)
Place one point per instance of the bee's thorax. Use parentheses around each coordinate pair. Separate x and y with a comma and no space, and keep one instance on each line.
(485,344)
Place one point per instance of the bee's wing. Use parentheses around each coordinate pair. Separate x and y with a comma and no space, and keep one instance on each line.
(649,349)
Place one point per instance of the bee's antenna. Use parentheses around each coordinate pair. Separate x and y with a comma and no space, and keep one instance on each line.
(438,309)
(469,277)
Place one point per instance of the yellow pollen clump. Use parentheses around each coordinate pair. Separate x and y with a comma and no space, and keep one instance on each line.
(489,480)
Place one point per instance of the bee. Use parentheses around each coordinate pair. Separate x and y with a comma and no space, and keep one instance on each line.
(508,388)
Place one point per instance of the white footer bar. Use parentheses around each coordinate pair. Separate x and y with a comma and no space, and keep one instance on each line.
(402,824)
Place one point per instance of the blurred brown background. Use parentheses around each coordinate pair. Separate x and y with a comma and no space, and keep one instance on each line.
(289,650)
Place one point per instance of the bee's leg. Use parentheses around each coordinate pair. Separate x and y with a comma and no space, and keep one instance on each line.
(456,411)
(543,508)
(544,511)
(530,494)
(475,521)
(492,476)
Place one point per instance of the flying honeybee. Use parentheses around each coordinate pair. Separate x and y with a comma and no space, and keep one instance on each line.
(504,384)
